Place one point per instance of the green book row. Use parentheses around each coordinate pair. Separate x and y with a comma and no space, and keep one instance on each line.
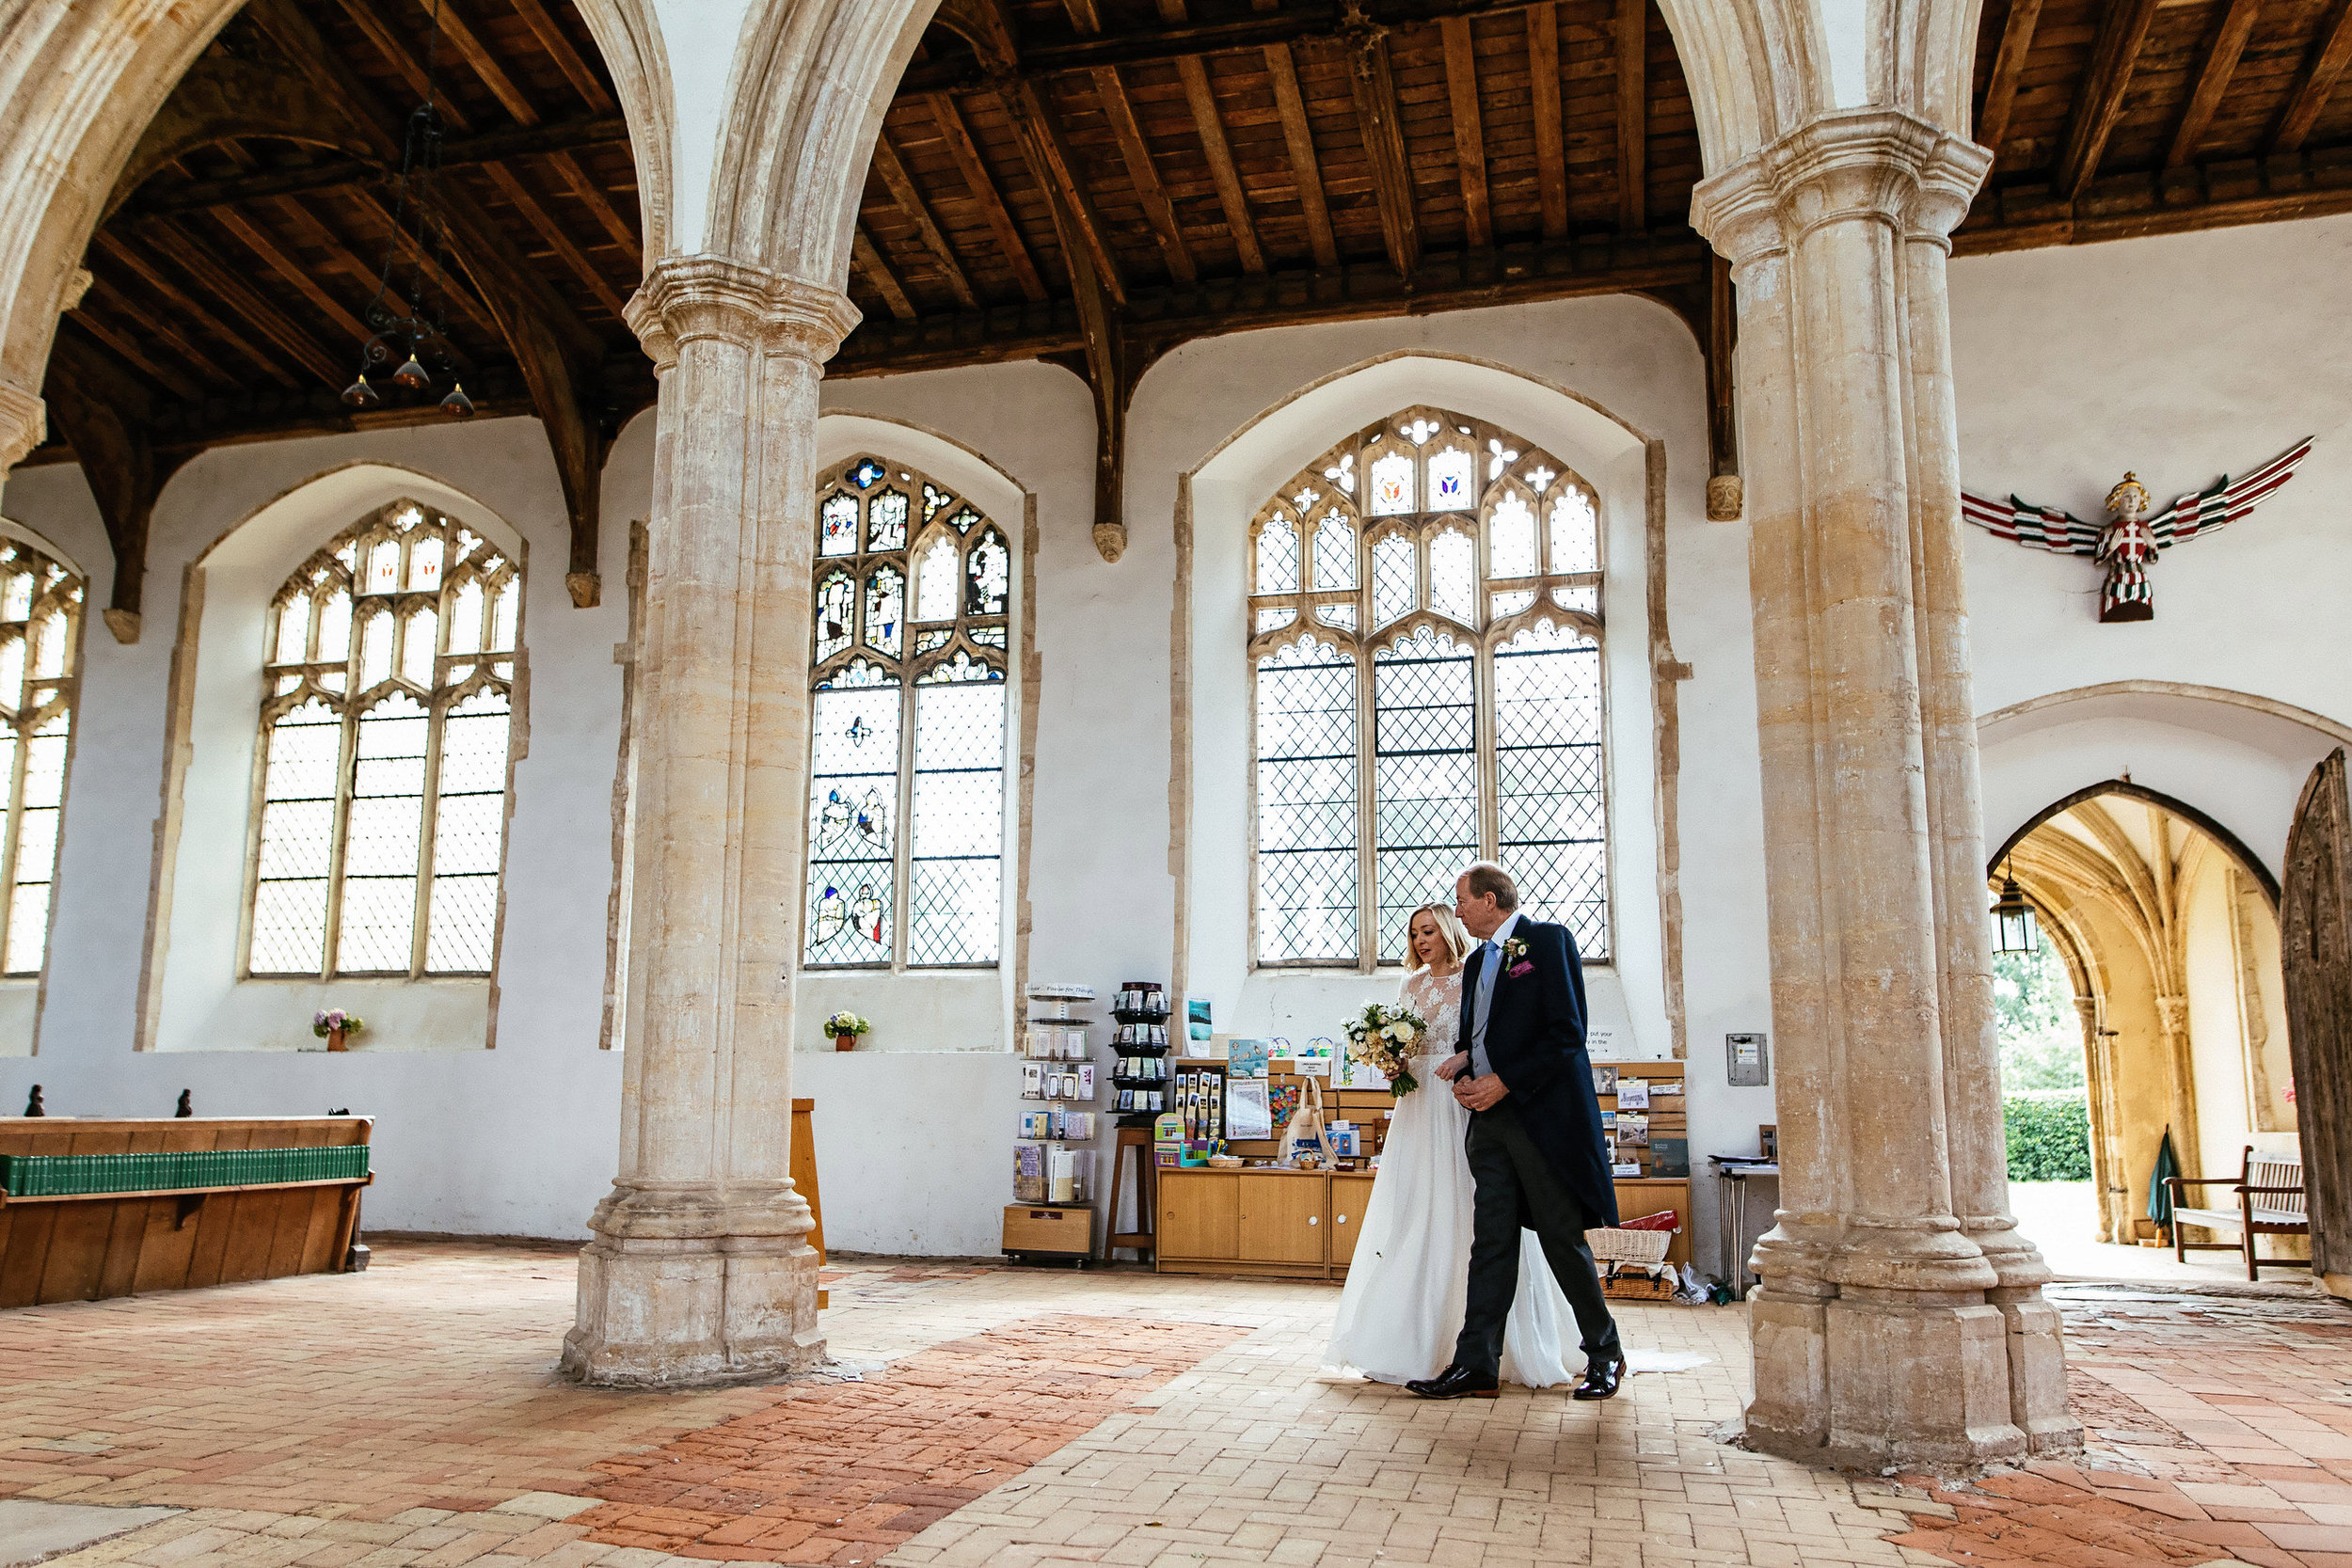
(79,1175)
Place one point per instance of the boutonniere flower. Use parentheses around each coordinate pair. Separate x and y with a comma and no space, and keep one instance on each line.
(1515,950)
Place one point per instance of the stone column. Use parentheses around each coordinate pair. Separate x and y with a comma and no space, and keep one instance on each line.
(1971,1034)
(701,1269)
(1876,1341)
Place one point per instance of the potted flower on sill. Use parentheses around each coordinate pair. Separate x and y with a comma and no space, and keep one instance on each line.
(845,1027)
(335,1026)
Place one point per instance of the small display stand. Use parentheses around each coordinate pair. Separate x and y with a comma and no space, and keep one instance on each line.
(1053,1212)
(1142,1091)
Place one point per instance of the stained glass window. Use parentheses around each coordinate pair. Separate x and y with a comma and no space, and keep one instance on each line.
(41,613)
(907,758)
(385,736)
(1481,689)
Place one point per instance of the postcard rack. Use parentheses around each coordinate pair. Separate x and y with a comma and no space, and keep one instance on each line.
(1139,1036)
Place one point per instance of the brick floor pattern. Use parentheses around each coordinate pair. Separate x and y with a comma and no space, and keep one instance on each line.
(844,1472)
(391,1420)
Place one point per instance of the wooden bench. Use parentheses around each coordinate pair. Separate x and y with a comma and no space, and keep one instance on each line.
(2270,1202)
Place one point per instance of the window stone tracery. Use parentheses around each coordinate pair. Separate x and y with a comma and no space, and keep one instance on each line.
(386,728)
(1428,688)
(41,616)
(907,720)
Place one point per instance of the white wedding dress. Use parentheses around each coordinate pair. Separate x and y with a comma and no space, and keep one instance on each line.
(1409,1281)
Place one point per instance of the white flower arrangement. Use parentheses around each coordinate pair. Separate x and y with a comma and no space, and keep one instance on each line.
(1383,1039)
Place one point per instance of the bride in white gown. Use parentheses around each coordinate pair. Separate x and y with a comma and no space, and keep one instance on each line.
(1408,1282)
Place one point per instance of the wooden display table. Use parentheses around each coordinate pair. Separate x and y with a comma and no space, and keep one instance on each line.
(236,1204)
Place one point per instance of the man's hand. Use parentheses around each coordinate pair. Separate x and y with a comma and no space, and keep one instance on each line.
(1480,1094)
(1454,1066)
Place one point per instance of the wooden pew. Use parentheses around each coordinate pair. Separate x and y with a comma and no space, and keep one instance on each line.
(209,1228)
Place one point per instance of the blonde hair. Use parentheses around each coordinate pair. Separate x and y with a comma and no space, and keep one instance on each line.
(1450,931)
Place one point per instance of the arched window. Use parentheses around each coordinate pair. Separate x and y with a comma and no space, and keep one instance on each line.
(41,618)
(913,591)
(1426,625)
(390,671)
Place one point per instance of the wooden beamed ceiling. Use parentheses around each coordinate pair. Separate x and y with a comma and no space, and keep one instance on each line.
(1088,182)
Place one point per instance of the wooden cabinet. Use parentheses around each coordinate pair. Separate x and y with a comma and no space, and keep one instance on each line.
(1199,1215)
(1045,1231)
(1349,1195)
(1281,1217)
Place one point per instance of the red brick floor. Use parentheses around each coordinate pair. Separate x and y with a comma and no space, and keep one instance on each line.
(843,1472)
(2219,1428)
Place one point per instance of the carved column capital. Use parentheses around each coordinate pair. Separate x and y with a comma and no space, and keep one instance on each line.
(686,298)
(23,424)
(1878,165)
(2172,1015)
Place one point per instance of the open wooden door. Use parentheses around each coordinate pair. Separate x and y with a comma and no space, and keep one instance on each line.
(2315,945)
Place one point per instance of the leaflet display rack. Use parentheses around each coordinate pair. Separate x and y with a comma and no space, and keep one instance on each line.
(1052,1215)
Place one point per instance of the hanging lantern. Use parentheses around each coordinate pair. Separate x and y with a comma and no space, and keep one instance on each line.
(412,375)
(457,405)
(2013,929)
(404,328)
(360,395)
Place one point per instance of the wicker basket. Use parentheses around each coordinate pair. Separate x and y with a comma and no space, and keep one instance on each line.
(1630,1247)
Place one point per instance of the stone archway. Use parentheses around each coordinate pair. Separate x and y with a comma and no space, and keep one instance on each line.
(2169,926)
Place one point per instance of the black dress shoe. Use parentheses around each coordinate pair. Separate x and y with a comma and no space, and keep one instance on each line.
(1600,1379)
(1456,1383)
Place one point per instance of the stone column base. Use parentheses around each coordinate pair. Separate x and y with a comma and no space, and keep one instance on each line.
(2037,1372)
(735,1303)
(1867,1379)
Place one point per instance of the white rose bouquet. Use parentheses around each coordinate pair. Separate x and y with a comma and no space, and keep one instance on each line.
(1386,1040)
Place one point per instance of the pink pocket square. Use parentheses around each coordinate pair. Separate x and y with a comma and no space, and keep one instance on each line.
(1522,967)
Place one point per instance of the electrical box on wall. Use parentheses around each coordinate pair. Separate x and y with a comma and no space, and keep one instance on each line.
(1749,1059)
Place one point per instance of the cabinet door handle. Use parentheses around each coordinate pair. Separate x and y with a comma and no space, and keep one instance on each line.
(1342,1219)
(1314,1219)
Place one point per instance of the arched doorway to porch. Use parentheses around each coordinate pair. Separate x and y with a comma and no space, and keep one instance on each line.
(2152,1005)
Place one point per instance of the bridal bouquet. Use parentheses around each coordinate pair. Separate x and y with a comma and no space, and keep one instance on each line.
(1384,1040)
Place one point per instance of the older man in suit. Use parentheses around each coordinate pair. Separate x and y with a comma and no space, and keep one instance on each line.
(1535,1148)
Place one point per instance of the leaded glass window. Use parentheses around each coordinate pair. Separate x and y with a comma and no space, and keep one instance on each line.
(385,722)
(908,718)
(41,618)
(1427,658)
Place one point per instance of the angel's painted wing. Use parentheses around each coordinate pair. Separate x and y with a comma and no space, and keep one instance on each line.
(2200,511)
(2045,527)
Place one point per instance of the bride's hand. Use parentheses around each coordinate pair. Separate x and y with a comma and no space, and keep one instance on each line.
(1451,1068)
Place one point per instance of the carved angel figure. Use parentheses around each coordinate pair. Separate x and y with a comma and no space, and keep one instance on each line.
(2128,543)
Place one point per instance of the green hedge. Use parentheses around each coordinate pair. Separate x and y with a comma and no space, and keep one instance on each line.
(2049,1136)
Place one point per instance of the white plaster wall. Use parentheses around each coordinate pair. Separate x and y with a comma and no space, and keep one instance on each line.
(2182,358)
(2216,1034)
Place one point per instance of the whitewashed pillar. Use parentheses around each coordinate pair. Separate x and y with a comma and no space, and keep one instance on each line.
(701,1269)
(1876,1334)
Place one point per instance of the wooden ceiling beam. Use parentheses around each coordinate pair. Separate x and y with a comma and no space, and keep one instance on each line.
(126,346)
(1469,132)
(977,179)
(2008,69)
(1306,170)
(1632,42)
(559,137)
(2332,53)
(2099,101)
(1373,84)
(909,199)
(103,414)
(599,204)
(315,229)
(868,258)
(1150,194)
(1159,318)
(201,363)
(2212,80)
(1206,119)
(1173,13)
(1055,170)
(221,282)
(297,277)
(1167,44)
(368,16)
(1552,157)
(481,60)
(134,259)
(545,225)
(1084,18)
(567,59)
